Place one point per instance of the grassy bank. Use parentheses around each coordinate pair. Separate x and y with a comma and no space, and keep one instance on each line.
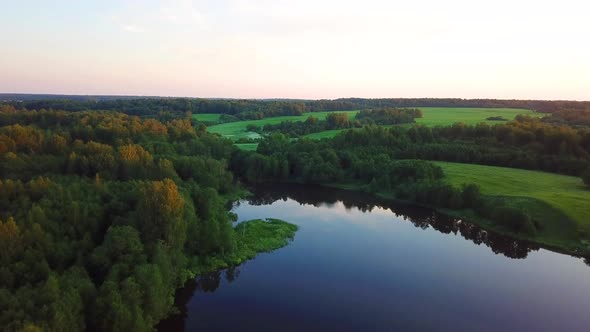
(252,237)
(558,203)
(565,193)
(556,231)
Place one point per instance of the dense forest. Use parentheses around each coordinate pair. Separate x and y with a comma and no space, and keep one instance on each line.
(103,215)
(526,143)
(388,116)
(97,207)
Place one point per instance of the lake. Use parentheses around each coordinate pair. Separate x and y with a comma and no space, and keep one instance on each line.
(359,263)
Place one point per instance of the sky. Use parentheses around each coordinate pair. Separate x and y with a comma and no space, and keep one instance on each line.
(309,49)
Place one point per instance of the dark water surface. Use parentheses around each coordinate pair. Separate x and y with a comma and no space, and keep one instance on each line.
(361,264)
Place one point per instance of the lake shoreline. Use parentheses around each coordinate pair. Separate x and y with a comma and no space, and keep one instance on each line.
(468,216)
(254,237)
(399,255)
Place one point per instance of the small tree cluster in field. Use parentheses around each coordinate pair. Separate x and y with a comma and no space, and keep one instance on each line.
(515,220)
(311,125)
(334,120)
(439,194)
(496,118)
(388,116)
(252,127)
(511,218)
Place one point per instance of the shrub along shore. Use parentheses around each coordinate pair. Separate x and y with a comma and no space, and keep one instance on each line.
(507,219)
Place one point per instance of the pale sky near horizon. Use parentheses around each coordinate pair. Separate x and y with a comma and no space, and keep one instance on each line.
(312,49)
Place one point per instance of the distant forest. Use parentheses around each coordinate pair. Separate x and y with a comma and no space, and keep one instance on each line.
(259,109)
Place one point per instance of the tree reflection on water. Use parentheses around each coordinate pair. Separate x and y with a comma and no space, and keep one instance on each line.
(423,218)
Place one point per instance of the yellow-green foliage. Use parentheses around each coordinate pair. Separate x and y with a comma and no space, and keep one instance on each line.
(252,237)
(257,236)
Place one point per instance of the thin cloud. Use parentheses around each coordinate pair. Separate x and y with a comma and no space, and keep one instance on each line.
(182,13)
(128,27)
(132,28)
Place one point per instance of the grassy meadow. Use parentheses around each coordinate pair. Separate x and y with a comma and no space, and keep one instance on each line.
(207,117)
(560,200)
(433,116)
(442,116)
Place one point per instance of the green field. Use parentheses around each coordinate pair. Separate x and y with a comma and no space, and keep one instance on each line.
(334,132)
(237,130)
(207,117)
(440,116)
(546,196)
(434,116)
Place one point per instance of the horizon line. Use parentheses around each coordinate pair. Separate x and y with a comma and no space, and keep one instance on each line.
(265,98)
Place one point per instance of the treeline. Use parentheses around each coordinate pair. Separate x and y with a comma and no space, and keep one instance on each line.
(526,143)
(371,169)
(259,109)
(388,116)
(384,116)
(241,109)
(419,217)
(103,215)
(310,125)
(580,118)
(545,106)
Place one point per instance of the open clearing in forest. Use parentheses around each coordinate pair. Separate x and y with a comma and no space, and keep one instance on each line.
(443,116)
(237,130)
(433,116)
